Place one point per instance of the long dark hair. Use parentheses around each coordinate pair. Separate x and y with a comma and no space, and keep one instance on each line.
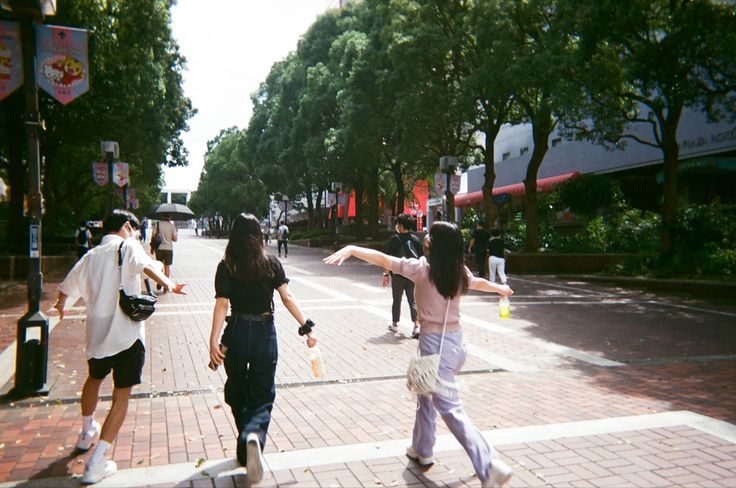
(446,259)
(245,256)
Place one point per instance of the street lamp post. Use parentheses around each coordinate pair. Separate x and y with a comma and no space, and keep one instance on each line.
(111,151)
(336,188)
(447,166)
(32,347)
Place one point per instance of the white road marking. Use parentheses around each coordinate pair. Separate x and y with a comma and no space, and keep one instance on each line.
(306,458)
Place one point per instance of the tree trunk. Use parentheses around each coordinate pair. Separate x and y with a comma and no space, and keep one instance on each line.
(359,229)
(490,172)
(310,208)
(400,193)
(671,154)
(542,127)
(373,203)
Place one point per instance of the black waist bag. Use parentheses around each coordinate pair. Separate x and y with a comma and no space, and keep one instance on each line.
(137,307)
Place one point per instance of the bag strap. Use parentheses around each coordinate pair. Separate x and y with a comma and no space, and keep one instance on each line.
(120,264)
(444,326)
(120,268)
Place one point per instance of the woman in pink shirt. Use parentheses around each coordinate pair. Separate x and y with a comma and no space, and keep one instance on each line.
(439,282)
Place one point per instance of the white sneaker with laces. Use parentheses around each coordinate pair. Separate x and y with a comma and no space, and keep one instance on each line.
(94,473)
(499,474)
(87,437)
(423,461)
(393,328)
(254,463)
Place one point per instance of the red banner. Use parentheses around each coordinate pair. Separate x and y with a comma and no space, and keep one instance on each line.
(99,173)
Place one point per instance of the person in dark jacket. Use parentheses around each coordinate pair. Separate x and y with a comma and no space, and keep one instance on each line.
(479,245)
(403,244)
(497,259)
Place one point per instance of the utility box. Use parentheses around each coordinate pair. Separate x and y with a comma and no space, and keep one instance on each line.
(31,357)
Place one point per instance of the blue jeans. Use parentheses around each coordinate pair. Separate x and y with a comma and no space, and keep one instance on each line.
(250,364)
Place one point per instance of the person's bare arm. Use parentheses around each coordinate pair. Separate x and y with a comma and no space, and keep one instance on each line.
(160,278)
(368,255)
(60,304)
(481,284)
(218,319)
(293,307)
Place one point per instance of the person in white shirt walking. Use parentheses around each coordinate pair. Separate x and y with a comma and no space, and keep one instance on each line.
(114,342)
(282,238)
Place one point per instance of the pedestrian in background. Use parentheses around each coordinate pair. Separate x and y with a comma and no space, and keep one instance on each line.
(114,342)
(166,230)
(403,244)
(245,281)
(497,258)
(441,279)
(83,238)
(479,246)
(282,238)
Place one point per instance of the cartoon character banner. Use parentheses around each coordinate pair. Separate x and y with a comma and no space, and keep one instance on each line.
(99,173)
(61,60)
(120,174)
(11,58)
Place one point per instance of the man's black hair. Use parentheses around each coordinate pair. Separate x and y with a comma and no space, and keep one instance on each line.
(496,232)
(405,221)
(117,219)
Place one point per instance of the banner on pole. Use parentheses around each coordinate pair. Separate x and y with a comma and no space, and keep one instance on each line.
(120,174)
(331,199)
(131,202)
(99,173)
(61,60)
(440,183)
(11,58)
(455,183)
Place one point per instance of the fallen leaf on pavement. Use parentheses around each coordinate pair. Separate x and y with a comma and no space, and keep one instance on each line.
(200,462)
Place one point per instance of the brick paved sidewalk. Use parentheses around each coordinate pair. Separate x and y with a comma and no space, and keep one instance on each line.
(565,404)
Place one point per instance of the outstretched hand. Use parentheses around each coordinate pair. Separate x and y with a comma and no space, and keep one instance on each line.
(505,291)
(339,257)
(178,288)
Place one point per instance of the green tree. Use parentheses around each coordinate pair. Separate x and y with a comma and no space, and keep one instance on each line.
(648,60)
(135,98)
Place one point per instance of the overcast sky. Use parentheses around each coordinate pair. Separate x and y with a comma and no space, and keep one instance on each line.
(230,46)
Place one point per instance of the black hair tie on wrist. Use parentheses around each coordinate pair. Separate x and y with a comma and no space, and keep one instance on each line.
(306,328)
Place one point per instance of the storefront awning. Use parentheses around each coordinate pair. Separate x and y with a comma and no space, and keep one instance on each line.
(517,189)
(713,165)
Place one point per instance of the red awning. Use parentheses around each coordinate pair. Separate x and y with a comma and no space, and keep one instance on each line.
(517,189)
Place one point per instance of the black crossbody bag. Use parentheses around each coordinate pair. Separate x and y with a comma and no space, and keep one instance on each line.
(137,307)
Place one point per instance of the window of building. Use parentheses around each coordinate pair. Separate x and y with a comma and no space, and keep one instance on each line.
(524,150)
(505,156)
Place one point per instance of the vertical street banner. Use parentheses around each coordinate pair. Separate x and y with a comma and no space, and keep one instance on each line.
(99,173)
(61,61)
(11,58)
(440,183)
(131,200)
(120,174)
(455,183)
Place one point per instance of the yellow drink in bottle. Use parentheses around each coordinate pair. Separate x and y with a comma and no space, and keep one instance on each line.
(504,308)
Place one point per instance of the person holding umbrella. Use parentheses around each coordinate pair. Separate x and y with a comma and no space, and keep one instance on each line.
(166,231)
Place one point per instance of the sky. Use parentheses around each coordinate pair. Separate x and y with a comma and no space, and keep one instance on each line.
(230,46)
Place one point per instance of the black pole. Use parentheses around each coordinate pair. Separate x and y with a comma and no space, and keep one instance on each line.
(110,184)
(31,359)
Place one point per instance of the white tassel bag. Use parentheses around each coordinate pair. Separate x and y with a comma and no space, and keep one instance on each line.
(422,376)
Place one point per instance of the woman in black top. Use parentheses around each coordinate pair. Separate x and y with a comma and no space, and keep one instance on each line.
(246,279)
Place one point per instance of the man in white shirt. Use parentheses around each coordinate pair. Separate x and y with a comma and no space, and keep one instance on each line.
(165,252)
(114,342)
(282,239)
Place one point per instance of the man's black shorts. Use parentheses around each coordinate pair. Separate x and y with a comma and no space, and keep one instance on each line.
(126,366)
(166,256)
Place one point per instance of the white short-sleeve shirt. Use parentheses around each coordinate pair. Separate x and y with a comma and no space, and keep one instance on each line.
(96,279)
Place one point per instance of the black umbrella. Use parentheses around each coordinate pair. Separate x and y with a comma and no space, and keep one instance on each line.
(174,211)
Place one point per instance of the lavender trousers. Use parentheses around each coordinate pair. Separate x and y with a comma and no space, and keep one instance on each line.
(449,406)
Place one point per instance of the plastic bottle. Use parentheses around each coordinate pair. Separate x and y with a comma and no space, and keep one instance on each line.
(504,308)
(316,362)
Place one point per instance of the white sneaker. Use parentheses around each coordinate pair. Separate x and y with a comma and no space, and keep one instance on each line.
(87,437)
(94,473)
(423,461)
(499,474)
(254,463)
(393,328)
